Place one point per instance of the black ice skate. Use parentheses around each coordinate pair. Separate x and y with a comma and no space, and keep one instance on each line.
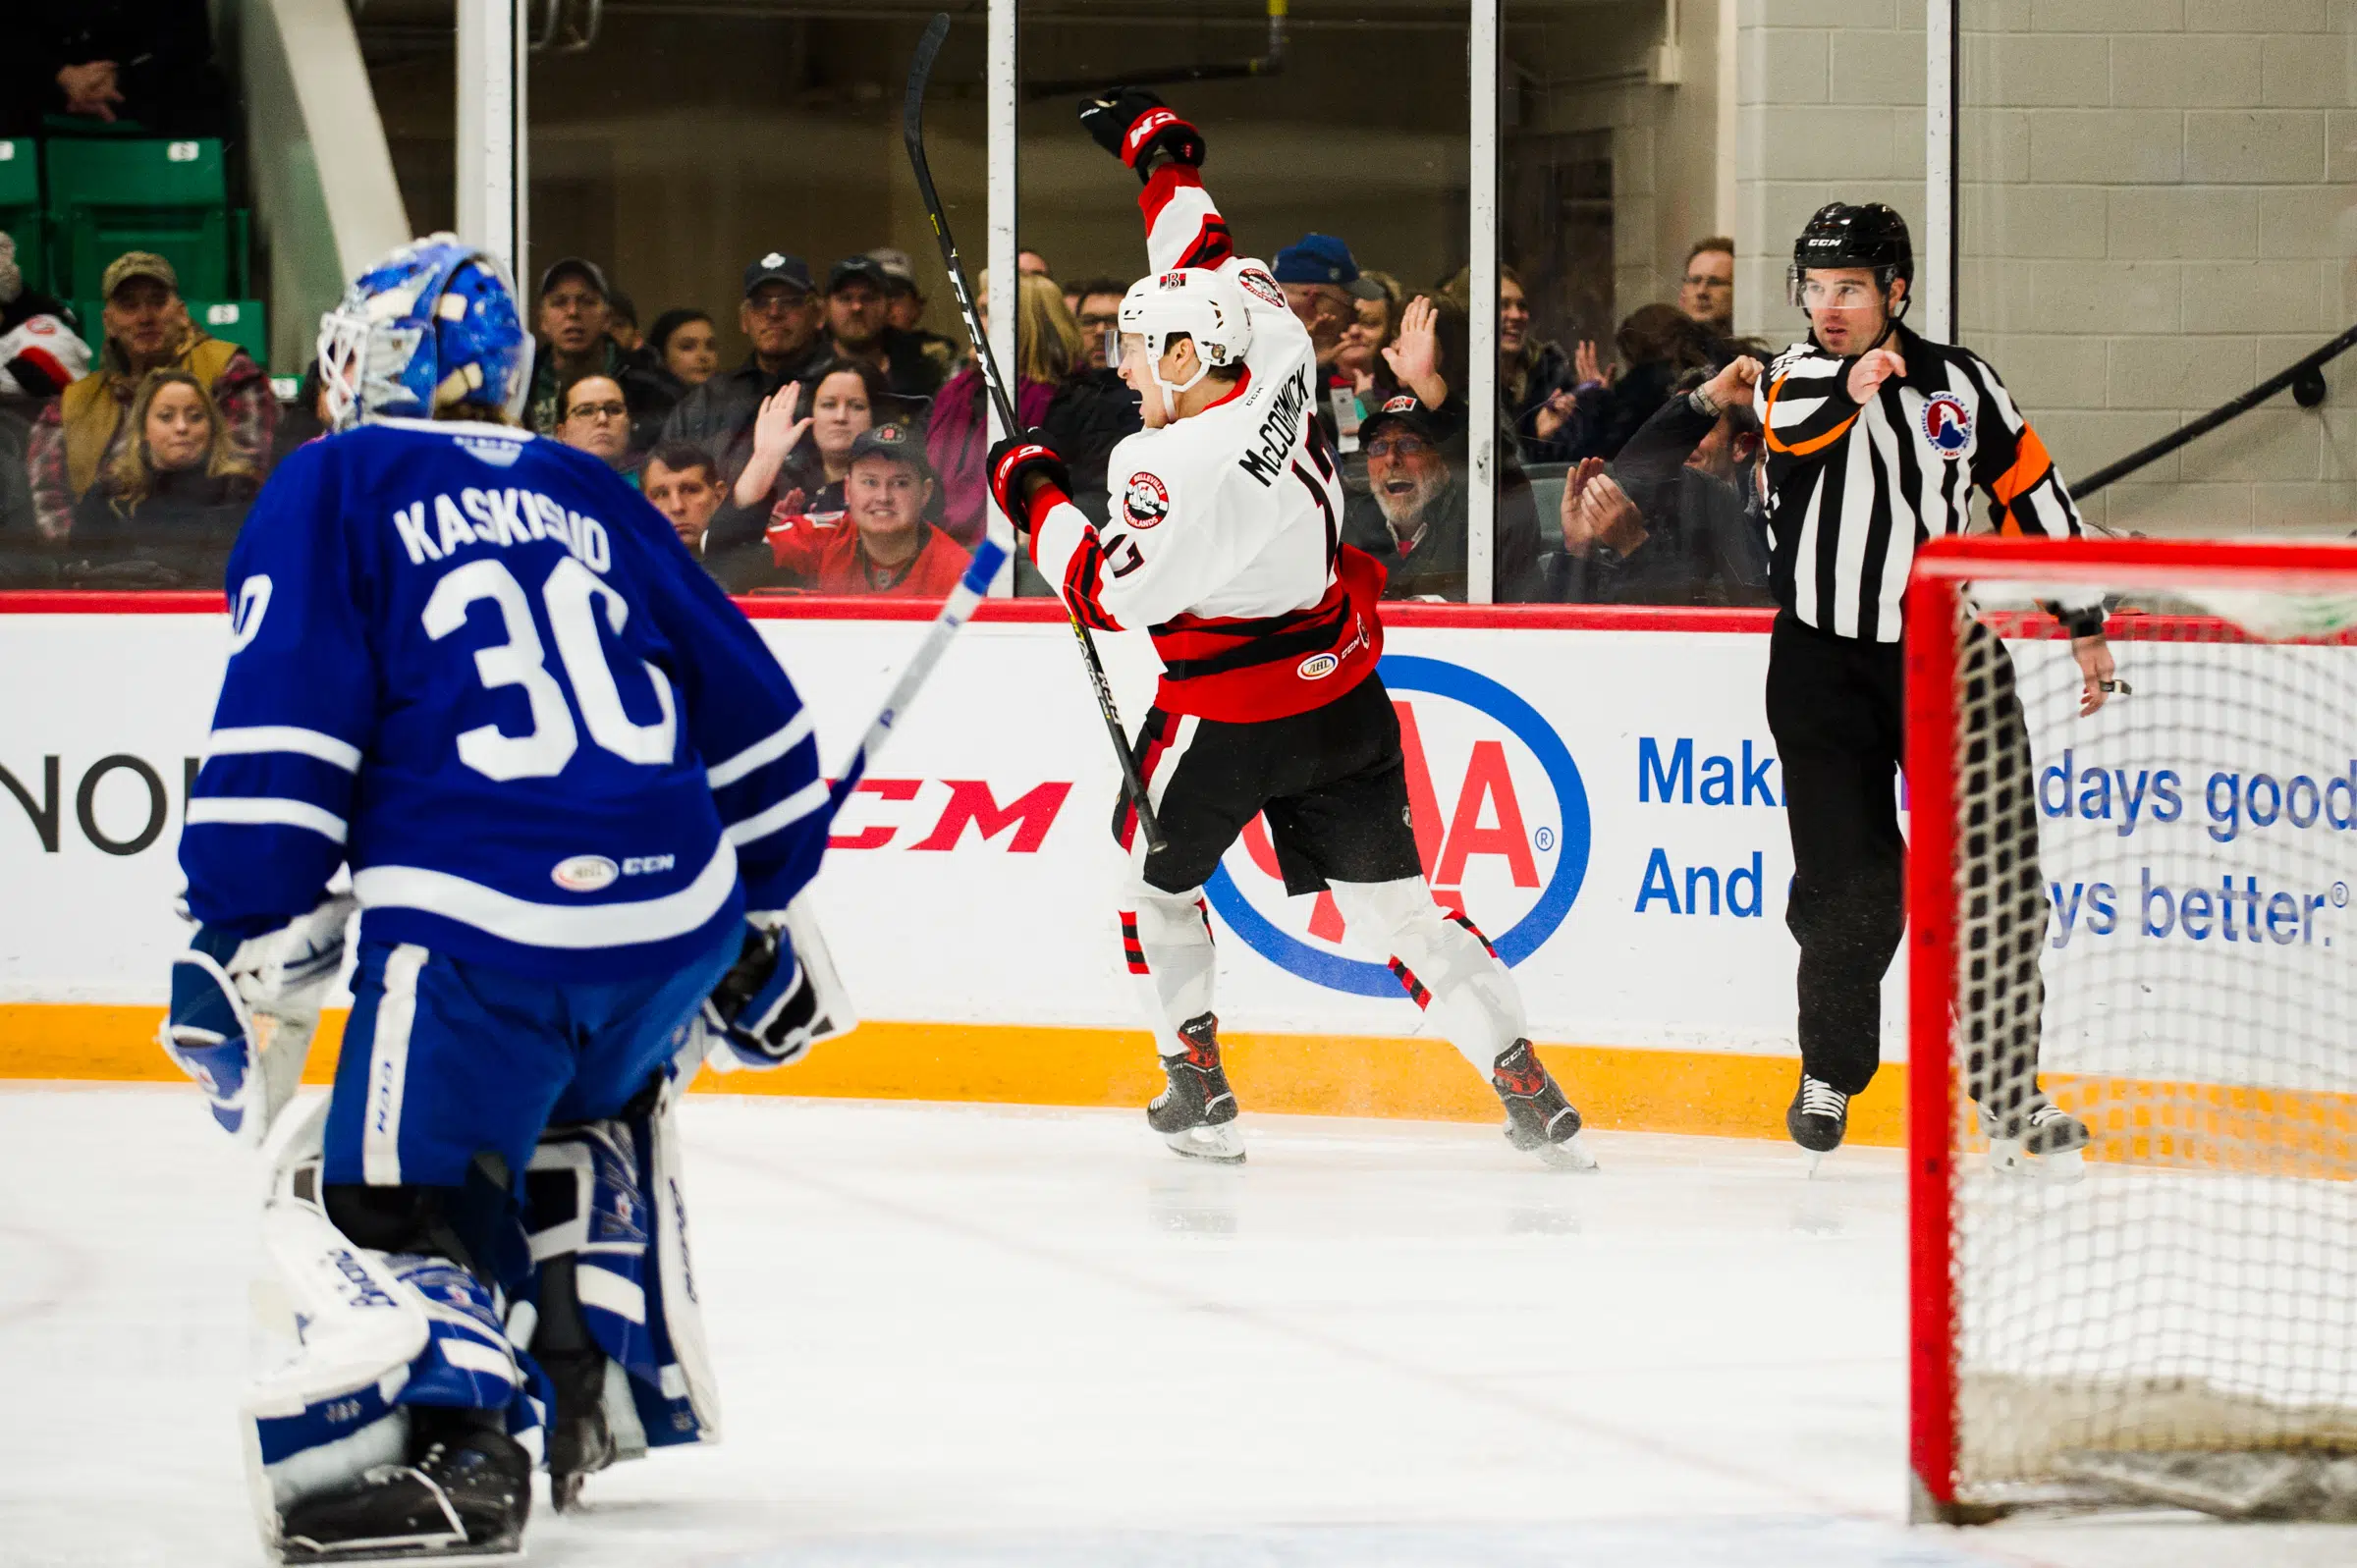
(580,1443)
(465,1494)
(1538,1119)
(1818,1119)
(2042,1139)
(1195,1113)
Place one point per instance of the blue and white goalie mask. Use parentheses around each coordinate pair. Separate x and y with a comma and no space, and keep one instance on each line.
(432,326)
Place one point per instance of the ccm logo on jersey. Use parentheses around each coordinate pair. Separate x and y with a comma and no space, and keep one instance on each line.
(1947,424)
(1144,501)
(589,873)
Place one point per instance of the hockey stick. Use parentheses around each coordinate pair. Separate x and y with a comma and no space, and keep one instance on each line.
(956,611)
(912,127)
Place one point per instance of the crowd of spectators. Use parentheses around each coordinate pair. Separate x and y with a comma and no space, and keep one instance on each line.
(845,453)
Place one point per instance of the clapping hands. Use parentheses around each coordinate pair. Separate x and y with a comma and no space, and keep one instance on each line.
(1595,512)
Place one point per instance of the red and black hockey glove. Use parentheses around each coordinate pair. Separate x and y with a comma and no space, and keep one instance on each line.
(1131,125)
(1012,462)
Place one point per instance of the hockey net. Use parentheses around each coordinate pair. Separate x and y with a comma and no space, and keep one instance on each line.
(2144,917)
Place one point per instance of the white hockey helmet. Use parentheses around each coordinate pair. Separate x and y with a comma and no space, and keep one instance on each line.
(1205,307)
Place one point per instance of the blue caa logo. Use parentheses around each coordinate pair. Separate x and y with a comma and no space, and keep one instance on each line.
(1519,855)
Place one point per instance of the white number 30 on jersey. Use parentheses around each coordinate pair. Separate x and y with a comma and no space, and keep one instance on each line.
(521,661)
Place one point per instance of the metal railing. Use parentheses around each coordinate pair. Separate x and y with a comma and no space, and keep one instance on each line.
(2305,377)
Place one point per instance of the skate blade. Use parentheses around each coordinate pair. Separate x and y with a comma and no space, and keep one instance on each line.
(363,1555)
(2007,1157)
(1815,1157)
(565,1491)
(1221,1145)
(1569,1154)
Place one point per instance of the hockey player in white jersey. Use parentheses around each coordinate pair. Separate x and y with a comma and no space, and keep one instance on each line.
(1224,542)
(579,801)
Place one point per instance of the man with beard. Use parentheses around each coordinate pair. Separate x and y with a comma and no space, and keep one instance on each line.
(781,317)
(860,325)
(1412,518)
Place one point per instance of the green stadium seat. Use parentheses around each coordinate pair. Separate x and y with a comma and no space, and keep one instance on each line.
(242,322)
(109,196)
(21,209)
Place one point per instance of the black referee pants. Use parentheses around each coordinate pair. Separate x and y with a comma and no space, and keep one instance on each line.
(1836,707)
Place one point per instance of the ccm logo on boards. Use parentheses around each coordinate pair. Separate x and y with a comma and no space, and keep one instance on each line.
(936,814)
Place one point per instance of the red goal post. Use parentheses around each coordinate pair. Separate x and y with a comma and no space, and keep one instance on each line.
(2180,1326)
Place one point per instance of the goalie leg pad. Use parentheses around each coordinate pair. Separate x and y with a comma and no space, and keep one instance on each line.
(382,1333)
(605,1199)
(1446,965)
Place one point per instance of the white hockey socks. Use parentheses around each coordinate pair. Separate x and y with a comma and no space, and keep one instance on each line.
(1444,964)
(1166,942)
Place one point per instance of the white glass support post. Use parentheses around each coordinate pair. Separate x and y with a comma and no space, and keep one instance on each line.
(1003,92)
(1481,391)
(492,153)
(1936,267)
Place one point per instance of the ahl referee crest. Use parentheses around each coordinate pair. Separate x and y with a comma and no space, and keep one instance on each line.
(1947,424)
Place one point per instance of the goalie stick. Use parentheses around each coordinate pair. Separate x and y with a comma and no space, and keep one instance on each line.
(912,127)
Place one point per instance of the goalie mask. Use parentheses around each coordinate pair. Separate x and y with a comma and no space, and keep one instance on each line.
(432,326)
(1203,306)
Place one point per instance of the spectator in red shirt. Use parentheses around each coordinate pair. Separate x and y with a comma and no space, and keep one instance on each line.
(881,544)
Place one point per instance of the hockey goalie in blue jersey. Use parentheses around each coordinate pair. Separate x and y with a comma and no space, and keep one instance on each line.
(577,801)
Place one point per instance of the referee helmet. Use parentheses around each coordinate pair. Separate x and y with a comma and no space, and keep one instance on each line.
(1845,235)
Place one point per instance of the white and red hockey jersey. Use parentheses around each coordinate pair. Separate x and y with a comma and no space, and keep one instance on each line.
(1224,529)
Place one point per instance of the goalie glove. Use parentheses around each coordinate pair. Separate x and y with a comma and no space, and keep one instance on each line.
(782,995)
(1134,125)
(244,1010)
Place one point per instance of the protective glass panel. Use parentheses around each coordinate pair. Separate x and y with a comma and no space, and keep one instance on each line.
(1337,143)
(1634,221)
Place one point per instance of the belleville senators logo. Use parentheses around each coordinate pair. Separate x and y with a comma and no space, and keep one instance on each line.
(1144,501)
(1258,283)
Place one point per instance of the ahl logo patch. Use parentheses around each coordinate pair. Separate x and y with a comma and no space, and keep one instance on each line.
(1947,424)
(1261,287)
(584,873)
(1317,667)
(1144,501)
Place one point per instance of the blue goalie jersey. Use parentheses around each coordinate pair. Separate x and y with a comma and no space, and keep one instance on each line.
(479,669)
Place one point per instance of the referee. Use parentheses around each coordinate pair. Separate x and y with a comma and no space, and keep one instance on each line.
(1875,441)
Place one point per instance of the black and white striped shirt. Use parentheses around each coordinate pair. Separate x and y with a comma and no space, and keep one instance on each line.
(1852,489)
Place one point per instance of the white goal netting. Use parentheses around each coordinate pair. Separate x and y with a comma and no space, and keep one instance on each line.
(2148,921)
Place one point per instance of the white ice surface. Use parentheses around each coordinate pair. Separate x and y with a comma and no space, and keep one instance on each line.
(998,1336)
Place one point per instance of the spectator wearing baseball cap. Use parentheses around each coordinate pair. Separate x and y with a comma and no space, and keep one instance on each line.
(904,311)
(1323,285)
(858,325)
(146,328)
(1412,518)
(880,544)
(781,316)
(573,322)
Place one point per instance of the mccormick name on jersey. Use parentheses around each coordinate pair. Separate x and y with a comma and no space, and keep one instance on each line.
(1279,431)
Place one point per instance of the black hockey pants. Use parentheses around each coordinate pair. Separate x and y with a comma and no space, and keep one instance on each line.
(1836,707)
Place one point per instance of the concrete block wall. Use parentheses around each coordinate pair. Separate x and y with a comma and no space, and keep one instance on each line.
(2158,208)
(1829,108)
